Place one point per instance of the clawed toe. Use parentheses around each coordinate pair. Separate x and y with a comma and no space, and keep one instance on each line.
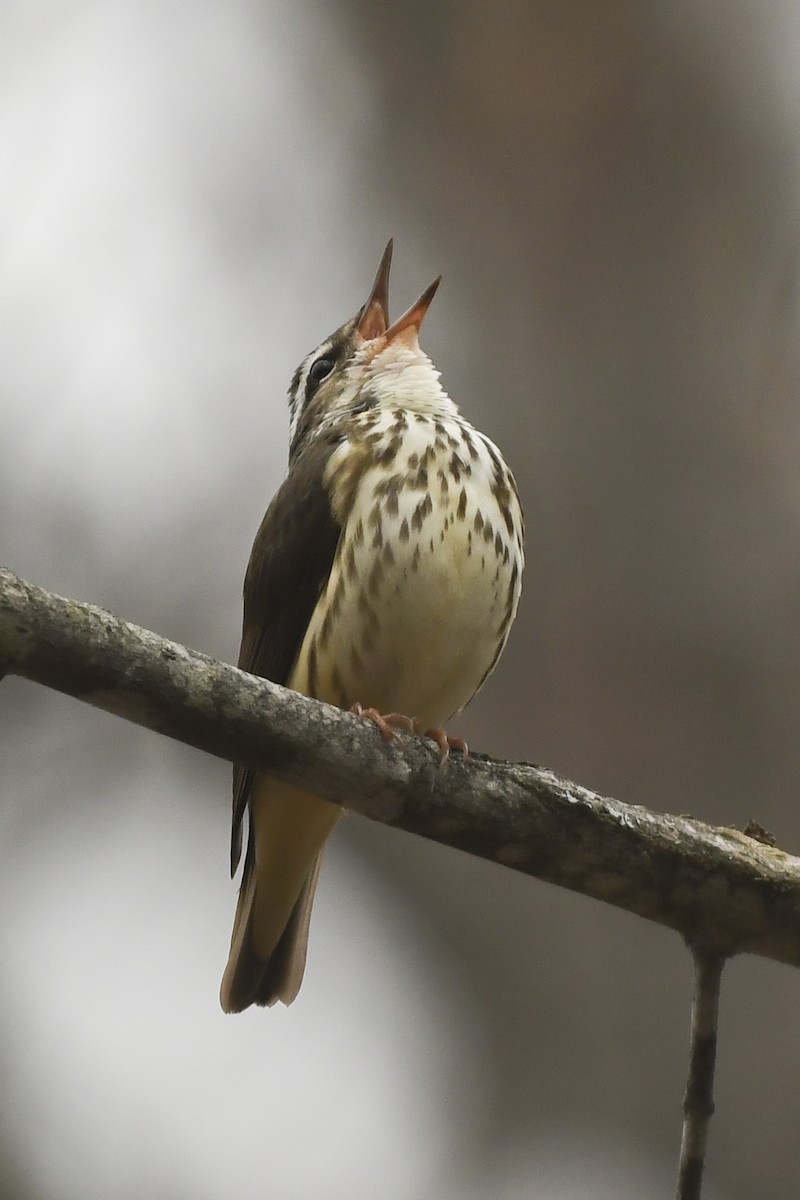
(401,721)
(387,723)
(383,723)
(446,743)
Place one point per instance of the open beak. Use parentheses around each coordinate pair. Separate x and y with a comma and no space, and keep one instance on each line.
(406,328)
(374,316)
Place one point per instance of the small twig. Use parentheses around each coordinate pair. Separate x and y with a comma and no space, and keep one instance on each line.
(698,1102)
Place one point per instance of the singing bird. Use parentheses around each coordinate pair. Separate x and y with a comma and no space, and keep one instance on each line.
(386,574)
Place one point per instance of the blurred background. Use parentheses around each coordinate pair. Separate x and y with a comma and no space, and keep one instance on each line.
(191,197)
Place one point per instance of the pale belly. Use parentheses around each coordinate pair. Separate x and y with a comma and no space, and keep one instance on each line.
(421,596)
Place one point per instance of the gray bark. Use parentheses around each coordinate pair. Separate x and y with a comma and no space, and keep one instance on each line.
(724,891)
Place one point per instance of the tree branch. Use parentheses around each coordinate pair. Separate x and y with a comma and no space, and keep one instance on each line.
(724,891)
(698,1102)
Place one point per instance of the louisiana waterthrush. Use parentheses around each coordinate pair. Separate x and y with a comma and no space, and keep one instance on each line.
(386,573)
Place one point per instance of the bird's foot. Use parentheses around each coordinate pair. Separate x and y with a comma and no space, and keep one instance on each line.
(444,741)
(388,723)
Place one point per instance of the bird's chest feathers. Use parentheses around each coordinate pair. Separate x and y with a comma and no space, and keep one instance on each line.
(418,493)
(426,576)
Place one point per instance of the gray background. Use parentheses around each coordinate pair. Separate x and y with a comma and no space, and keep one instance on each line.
(192,196)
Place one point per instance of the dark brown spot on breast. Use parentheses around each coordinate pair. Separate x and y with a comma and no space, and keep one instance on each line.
(312,668)
(386,485)
(405,532)
(422,510)
(461,511)
(338,595)
(389,453)
(325,630)
(500,489)
(512,585)
(368,615)
(505,624)
(488,532)
(496,460)
(388,490)
(375,575)
(478,522)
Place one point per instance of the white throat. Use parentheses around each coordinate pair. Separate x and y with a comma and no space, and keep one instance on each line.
(404,376)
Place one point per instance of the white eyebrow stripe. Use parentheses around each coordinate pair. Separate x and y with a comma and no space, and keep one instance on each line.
(297,396)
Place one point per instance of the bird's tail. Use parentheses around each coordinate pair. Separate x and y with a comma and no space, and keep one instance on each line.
(288,831)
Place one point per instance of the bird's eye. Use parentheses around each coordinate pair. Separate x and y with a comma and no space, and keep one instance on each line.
(320,369)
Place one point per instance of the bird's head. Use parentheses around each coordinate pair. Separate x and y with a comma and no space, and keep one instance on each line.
(368,362)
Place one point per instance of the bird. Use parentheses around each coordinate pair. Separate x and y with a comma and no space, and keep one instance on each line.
(384,579)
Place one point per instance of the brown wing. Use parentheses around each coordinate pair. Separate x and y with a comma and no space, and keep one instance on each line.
(289,565)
